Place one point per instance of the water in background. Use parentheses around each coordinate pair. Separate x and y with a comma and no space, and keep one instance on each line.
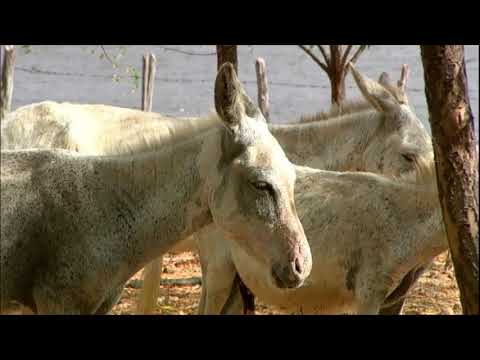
(184,82)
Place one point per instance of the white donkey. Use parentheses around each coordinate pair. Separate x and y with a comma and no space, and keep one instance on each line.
(367,234)
(349,138)
(75,228)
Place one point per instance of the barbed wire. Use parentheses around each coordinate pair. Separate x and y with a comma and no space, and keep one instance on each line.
(172,80)
(187,52)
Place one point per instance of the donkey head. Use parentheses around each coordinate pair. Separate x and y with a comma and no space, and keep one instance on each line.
(253,199)
(403,147)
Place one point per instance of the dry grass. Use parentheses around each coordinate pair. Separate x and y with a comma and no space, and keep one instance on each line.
(436,292)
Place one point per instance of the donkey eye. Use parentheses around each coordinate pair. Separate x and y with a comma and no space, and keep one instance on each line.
(409,157)
(260,185)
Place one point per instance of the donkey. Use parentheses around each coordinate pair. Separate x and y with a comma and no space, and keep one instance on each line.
(366,233)
(75,228)
(347,138)
(217,256)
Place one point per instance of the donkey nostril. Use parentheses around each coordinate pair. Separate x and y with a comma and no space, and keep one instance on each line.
(298,266)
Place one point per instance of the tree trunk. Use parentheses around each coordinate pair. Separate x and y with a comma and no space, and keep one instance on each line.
(337,83)
(456,157)
(227,53)
(336,74)
(7,65)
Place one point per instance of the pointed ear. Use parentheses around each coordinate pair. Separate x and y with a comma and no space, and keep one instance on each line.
(402,84)
(376,94)
(397,90)
(231,101)
(384,79)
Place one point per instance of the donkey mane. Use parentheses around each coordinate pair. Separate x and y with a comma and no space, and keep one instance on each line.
(116,131)
(347,108)
(424,163)
(145,139)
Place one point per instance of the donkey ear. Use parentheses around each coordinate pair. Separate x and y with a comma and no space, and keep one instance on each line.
(384,79)
(402,84)
(397,90)
(231,101)
(376,94)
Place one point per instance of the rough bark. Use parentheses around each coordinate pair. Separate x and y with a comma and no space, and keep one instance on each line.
(227,53)
(451,120)
(7,65)
(336,74)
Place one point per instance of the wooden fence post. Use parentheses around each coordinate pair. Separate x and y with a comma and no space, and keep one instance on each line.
(149,69)
(7,65)
(152,273)
(262,85)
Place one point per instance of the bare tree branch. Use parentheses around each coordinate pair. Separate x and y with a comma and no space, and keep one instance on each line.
(314,57)
(345,55)
(325,54)
(359,51)
(108,56)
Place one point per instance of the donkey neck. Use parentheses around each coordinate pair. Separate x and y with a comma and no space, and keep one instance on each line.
(160,196)
(334,144)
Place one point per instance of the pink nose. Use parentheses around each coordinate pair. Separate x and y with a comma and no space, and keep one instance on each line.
(289,276)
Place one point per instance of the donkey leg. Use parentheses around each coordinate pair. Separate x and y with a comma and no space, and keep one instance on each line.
(203,295)
(369,307)
(393,305)
(110,301)
(248,299)
(151,287)
(235,303)
(370,292)
(218,286)
(218,271)
(393,309)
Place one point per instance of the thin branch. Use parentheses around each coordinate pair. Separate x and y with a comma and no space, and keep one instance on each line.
(345,56)
(325,54)
(314,57)
(359,52)
(107,56)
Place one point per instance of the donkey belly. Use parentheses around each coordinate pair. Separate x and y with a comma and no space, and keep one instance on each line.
(188,244)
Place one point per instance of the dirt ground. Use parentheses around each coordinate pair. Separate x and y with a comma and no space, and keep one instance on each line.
(435,293)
